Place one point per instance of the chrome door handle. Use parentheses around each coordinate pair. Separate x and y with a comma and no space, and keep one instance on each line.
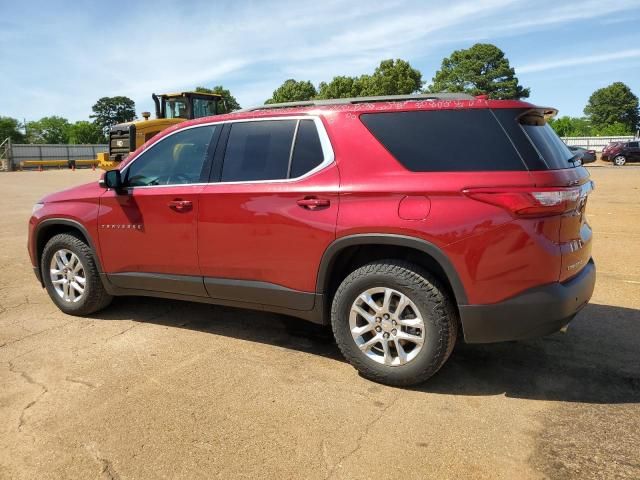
(181,205)
(312,203)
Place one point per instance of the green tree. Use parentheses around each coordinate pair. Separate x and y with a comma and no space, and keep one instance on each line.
(340,87)
(392,77)
(10,128)
(110,111)
(614,104)
(613,129)
(572,126)
(49,130)
(84,132)
(230,103)
(481,69)
(293,91)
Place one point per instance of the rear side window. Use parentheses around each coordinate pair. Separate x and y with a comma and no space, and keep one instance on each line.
(265,150)
(632,145)
(307,153)
(445,140)
(258,151)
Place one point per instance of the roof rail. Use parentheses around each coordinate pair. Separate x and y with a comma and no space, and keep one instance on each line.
(346,101)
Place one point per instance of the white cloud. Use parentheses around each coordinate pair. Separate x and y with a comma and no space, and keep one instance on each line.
(579,60)
(60,62)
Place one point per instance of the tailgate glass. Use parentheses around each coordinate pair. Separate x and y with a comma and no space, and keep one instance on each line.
(551,148)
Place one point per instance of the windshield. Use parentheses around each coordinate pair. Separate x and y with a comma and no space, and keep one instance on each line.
(203,107)
(552,150)
(176,108)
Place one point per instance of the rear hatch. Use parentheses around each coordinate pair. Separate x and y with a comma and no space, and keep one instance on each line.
(560,171)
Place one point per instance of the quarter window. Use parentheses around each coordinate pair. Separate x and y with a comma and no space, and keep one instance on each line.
(176,159)
(307,153)
(444,141)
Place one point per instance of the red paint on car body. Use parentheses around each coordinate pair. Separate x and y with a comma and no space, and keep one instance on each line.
(256,231)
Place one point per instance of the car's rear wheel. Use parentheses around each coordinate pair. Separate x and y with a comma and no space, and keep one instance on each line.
(71,277)
(394,322)
(619,160)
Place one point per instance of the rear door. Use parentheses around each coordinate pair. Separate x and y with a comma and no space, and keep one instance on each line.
(269,213)
(634,151)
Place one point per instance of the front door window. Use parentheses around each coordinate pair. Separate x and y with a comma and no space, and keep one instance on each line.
(174,160)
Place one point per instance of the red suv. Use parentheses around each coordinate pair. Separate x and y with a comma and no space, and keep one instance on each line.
(404,222)
(621,153)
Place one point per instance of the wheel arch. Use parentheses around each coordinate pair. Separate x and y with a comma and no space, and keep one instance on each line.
(430,254)
(50,227)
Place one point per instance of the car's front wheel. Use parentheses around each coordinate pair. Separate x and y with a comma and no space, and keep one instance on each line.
(71,277)
(394,322)
(619,160)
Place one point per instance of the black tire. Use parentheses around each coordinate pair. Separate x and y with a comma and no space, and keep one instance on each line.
(619,160)
(95,296)
(429,296)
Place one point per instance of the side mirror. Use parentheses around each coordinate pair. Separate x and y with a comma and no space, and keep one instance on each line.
(112,179)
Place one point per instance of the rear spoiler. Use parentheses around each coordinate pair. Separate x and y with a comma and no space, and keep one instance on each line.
(538,113)
(548,112)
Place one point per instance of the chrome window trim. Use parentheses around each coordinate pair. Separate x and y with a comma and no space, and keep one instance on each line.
(325,144)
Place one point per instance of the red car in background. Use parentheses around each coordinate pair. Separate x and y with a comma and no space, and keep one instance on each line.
(622,152)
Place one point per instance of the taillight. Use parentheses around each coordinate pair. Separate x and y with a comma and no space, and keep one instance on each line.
(532,202)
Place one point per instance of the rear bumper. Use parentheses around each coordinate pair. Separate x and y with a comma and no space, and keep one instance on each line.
(534,313)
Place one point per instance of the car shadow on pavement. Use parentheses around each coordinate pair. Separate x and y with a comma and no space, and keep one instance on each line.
(253,326)
(597,361)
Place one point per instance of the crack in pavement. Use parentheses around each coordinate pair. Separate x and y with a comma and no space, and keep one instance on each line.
(29,379)
(34,334)
(80,381)
(122,332)
(27,302)
(364,433)
(107,469)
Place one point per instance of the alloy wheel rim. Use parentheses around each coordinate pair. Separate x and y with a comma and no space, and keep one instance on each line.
(387,326)
(619,160)
(67,276)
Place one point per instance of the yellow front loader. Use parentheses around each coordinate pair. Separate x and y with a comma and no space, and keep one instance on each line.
(171,108)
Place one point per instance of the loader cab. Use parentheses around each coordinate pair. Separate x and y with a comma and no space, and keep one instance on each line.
(171,108)
(186,105)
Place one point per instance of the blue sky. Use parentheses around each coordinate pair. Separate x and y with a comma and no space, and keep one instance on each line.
(58,58)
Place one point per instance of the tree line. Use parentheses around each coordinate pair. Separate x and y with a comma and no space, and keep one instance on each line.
(107,111)
(610,111)
(482,69)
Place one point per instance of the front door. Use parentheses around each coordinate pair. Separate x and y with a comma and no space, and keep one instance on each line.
(265,225)
(147,233)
